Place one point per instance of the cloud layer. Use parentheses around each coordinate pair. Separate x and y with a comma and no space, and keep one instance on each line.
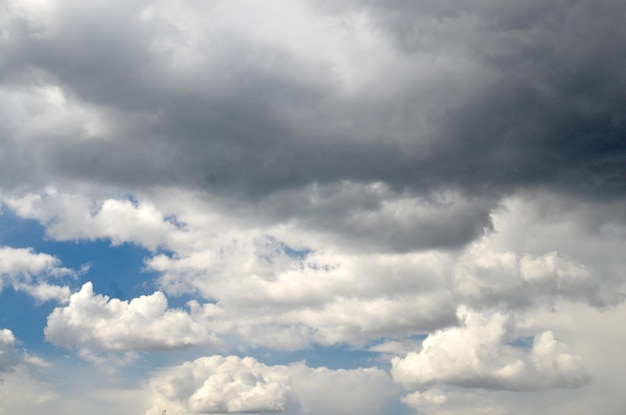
(217,384)
(306,176)
(483,109)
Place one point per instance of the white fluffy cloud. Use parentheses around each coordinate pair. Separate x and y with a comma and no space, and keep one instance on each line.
(74,217)
(96,322)
(32,272)
(275,300)
(480,354)
(282,285)
(218,384)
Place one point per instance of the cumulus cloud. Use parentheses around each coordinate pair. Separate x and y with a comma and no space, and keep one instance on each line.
(25,270)
(74,217)
(96,323)
(218,384)
(481,354)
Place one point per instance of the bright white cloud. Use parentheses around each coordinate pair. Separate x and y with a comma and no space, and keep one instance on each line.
(24,261)
(479,354)
(267,297)
(231,384)
(73,217)
(98,323)
(25,270)
(219,384)
(7,339)
(45,292)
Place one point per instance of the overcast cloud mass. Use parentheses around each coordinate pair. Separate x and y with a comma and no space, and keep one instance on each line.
(312,207)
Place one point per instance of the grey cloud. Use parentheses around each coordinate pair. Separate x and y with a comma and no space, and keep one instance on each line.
(9,357)
(512,97)
(549,112)
(485,279)
(375,217)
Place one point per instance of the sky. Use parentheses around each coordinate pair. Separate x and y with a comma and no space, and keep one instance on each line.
(312,207)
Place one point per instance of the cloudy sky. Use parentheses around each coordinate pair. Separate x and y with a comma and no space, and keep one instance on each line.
(312,207)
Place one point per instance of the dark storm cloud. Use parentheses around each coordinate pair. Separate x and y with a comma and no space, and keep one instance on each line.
(540,104)
(551,113)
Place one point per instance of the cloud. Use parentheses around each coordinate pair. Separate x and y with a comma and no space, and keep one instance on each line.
(421,399)
(366,391)
(267,297)
(366,217)
(519,81)
(8,354)
(27,271)
(20,393)
(486,278)
(24,261)
(375,217)
(323,173)
(481,354)
(482,110)
(97,323)
(286,286)
(218,384)
(74,217)
(71,391)
(12,357)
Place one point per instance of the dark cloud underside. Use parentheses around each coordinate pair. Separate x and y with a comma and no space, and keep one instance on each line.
(541,103)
